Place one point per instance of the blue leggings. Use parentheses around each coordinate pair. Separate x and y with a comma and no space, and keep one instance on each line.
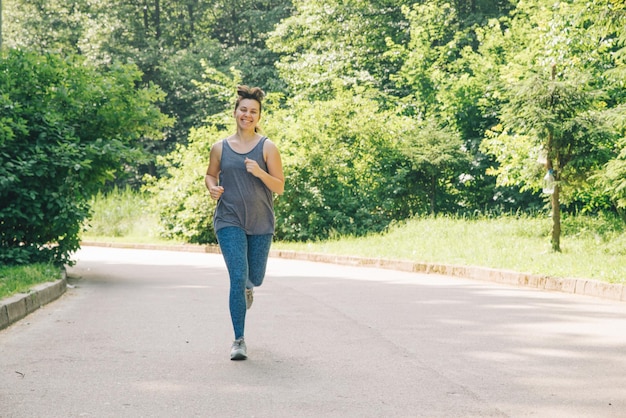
(246,260)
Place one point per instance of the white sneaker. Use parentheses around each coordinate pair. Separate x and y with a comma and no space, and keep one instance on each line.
(249,297)
(238,351)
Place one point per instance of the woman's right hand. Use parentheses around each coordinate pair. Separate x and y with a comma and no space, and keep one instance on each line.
(216,192)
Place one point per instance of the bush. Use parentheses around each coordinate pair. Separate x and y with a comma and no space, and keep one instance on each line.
(181,198)
(340,178)
(344,167)
(64,130)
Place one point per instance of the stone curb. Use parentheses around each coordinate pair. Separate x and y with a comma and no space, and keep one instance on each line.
(585,287)
(18,306)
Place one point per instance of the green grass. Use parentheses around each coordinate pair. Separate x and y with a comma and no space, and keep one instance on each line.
(123,216)
(21,279)
(591,247)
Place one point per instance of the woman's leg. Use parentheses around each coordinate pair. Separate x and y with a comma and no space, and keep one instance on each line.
(258,251)
(234,247)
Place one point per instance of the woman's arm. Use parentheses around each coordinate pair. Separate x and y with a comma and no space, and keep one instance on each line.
(213,171)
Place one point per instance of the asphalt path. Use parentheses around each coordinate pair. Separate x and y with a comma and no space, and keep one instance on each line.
(145,333)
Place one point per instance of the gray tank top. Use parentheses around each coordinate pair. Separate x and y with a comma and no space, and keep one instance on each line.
(246,202)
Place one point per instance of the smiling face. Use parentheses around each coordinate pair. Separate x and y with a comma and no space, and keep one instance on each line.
(248,114)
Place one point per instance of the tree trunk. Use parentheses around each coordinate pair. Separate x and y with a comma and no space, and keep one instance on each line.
(556,217)
(146,18)
(157,18)
(555,240)
(433,195)
(554,156)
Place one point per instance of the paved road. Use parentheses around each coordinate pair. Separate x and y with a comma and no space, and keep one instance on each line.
(147,334)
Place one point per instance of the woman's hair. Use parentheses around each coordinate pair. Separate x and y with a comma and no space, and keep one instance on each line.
(254,93)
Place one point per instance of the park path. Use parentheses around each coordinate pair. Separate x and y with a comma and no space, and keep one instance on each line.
(147,334)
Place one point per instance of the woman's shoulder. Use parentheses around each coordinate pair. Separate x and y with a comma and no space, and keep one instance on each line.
(219,144)
(269,149)
(268,142)
(216,149)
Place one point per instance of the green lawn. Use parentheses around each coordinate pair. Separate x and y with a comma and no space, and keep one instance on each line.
(21,279)
(593,247)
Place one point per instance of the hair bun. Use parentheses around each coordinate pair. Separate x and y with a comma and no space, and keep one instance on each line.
(246,92)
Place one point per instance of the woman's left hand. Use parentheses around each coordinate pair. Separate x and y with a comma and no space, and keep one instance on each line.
(252,167)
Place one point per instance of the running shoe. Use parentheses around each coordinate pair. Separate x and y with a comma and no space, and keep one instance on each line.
(249,297)
(238,351)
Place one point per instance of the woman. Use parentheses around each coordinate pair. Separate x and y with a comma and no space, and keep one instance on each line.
(244,171)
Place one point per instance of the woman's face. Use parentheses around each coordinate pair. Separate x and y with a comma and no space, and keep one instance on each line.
(248,114)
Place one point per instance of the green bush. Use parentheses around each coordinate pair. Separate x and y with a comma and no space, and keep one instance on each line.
(181,199)
(65,128)
(344,167)
(340,178)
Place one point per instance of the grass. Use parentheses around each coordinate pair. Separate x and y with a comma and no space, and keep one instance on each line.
(21,279)
(123,216)
(591,247)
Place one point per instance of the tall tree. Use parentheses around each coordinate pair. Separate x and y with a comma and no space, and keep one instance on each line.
(554,104)
(166,39)
(324,41)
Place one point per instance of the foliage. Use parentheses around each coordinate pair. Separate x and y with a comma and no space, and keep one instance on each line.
(166,39)
(382,109)
(437,156)
(65,129)
(345,172)
(181,198)
(539,109)
(613,179)
(325,41)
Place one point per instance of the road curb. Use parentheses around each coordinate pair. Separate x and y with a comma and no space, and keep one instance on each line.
(19,306)
(586,287)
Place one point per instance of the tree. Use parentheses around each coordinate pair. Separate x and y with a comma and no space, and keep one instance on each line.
(166,39)
(554,106)
(436,153)
(65,129)
(325,41)
(557,113)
